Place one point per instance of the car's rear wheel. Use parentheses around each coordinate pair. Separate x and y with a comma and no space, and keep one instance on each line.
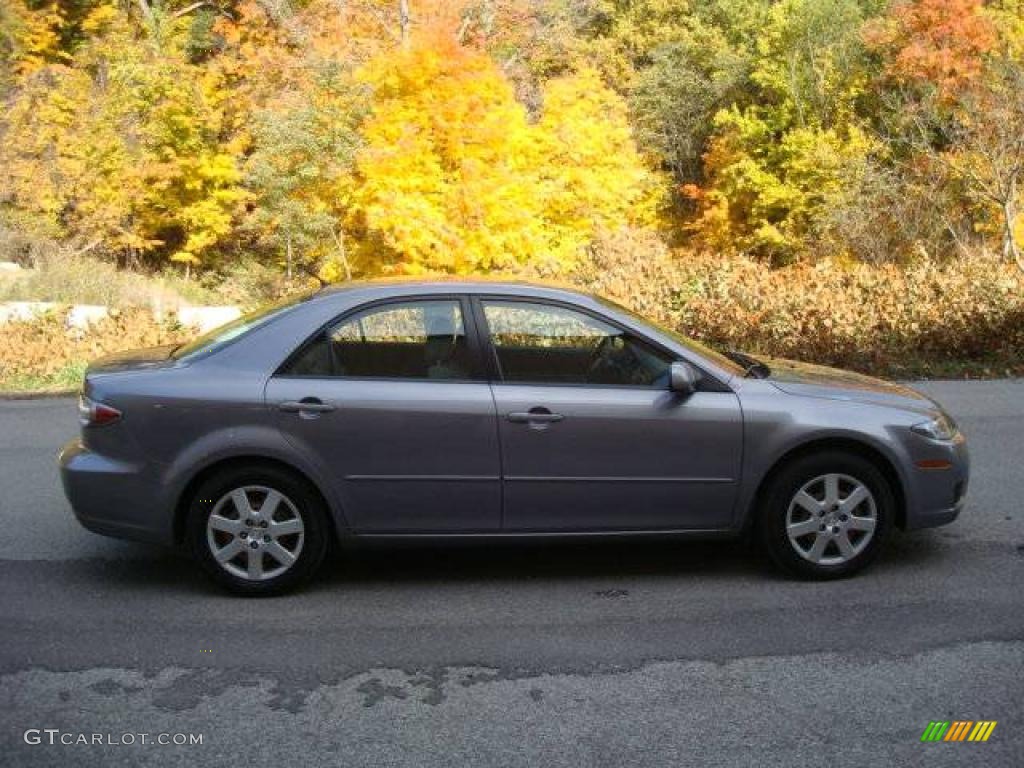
(826,515)
(257,530)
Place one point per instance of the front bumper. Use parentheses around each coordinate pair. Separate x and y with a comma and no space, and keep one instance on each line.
(937,496)
(112,497)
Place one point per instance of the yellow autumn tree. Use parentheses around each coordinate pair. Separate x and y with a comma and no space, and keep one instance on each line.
(443,181)
(119,145)
(453,177)
(593,175)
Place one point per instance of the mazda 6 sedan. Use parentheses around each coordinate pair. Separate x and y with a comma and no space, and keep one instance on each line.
(441,410)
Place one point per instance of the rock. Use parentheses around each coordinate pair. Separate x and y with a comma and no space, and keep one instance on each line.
(207,318)
(84,315)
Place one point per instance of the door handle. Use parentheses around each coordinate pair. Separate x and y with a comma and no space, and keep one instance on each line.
(306,405)
(539,417)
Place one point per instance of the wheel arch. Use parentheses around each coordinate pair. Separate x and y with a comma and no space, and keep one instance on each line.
(883,463)
(204,473)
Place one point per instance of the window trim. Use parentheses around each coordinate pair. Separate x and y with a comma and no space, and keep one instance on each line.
(494,364)
(478,373)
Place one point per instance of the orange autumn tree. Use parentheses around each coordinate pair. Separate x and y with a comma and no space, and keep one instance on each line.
(453,177)
(934,42)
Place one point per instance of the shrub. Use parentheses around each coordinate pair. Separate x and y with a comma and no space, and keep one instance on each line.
(635,268)
(966,316)
(920,319)
(44,352)
(249,283)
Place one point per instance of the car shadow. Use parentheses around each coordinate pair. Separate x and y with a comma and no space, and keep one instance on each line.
(580,560)
(156,570)
(561,560)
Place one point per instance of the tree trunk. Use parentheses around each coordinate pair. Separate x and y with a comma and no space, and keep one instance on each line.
(1010,250)
(288,250)
(339,240)
(403,21)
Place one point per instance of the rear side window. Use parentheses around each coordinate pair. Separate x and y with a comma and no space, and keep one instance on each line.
(403,340)
(225,334)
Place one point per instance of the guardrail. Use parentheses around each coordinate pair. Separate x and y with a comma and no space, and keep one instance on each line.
(83,315)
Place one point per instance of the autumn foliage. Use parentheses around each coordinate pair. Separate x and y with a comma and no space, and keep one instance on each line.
(314,134)
(454,176)
(347,139)
(833,180)
(937,43)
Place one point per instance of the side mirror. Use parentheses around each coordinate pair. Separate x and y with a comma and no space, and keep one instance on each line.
(683,378)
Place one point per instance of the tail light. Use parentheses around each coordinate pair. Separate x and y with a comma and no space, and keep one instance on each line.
(92,413)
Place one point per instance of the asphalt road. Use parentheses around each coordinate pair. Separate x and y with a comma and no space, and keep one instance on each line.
(584,655)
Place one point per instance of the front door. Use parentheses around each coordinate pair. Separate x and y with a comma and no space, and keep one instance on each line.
(391,404)
(591,436)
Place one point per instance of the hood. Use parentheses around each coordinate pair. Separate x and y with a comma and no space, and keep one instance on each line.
(810,380)
(134,360)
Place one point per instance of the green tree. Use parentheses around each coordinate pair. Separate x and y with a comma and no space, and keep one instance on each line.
(773,166)
(674,100)
(304,146)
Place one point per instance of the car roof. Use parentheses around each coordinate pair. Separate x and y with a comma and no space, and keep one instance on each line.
(399,286)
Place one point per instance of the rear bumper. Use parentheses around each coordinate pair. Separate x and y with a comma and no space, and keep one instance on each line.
(938,495)
(113,498)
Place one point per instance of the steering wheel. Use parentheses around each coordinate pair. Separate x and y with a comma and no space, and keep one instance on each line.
(607,358)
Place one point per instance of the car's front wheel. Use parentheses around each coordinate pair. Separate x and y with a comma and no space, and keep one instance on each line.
(826,515)
(257,530)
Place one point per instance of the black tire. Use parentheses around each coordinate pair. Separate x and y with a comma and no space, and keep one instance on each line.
(783,488)
(306,503)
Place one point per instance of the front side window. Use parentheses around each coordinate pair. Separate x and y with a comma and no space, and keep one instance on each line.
(693,345)
(407,340)
(545,343)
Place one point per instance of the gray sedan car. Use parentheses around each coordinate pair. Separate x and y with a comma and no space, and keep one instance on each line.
(396,410)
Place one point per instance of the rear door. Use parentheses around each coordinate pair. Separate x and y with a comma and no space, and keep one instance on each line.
(591,436)
(391,400)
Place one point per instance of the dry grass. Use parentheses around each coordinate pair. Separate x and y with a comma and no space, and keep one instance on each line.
(54,273)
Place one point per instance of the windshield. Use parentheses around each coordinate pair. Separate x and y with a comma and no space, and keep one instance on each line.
(224,334)
(695,346)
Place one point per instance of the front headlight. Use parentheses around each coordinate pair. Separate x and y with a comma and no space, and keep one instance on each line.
(942,427)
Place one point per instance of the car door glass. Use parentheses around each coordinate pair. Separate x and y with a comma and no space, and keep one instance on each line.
(406,340)
(546,343)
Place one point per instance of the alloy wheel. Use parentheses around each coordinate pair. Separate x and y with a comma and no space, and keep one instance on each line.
(831,519)
(255,533)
